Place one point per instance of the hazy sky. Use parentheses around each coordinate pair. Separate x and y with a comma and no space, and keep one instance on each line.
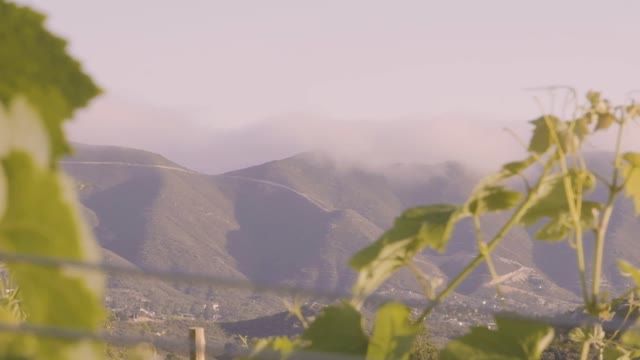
(203,71)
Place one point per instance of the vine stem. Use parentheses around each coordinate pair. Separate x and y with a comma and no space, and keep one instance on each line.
(575,205)
(515,219)
(584,352)
(604,223)
(482,247)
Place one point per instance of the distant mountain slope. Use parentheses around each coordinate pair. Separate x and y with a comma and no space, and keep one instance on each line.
(337,186)
(297,221)
(115,154)
(152,216)
(382,194)
(148,213)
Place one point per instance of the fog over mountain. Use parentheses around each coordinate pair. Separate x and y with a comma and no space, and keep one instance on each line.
(475,140)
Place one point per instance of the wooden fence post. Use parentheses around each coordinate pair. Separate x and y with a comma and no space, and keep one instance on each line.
(196,343)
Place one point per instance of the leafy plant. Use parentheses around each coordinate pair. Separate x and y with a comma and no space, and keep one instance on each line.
(40,87)
(556,199)
(423,347)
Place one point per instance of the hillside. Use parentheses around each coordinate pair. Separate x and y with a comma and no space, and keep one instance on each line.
(297,221)
(150,213)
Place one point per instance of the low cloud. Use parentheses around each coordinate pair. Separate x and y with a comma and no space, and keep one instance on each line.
(481,143)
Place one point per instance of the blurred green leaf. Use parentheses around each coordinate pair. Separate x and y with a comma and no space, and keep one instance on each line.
(594,98)
(541,140)
(516,167)
(551,203)
(35,64)
(605,121)
(556,229)
(577,335)
(633,111)
(631,338)
(513,339)
(394,333)
(42,218)
(616,353)
(581,127)
(337,330)
(629,270)
(22,129)
(559,227)
(272,348)
(568,134)
(493,198)
(414,230)
(631,174)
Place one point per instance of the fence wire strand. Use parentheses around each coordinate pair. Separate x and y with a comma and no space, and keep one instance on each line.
(129,340)
(182,277)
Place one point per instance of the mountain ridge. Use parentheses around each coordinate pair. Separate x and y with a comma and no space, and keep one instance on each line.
(294,221)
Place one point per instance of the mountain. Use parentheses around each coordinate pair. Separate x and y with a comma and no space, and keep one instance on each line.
(150,213)
(296,222)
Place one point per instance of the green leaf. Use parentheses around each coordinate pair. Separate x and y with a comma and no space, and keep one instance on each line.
(599,105)
(414,230)
(22,129)
(42,218)
(577,335)
(35,64)
(425,226)
(551,199)
(568,138)
(556,229)
(551,203)
(632,158)
(631,338)
(393,335)
(337,330)
(513,339)
(516,167)
(541,140)
(594,98)
(493,198)
(626,269)
(559,227)
(633,111)
(616,353)
(631,174)
(376,263)
(581,127)
(272,348)
(605,121)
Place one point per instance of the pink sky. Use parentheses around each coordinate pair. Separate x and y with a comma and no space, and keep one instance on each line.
(201,70)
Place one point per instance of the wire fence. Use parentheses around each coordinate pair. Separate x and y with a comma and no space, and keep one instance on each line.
(131,340)
(162,342)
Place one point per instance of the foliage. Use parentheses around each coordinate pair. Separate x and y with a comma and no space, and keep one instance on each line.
(394,333)
(35,64)
(40,87)
(514,339)
(556,200)
(631,169)
(423,348)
